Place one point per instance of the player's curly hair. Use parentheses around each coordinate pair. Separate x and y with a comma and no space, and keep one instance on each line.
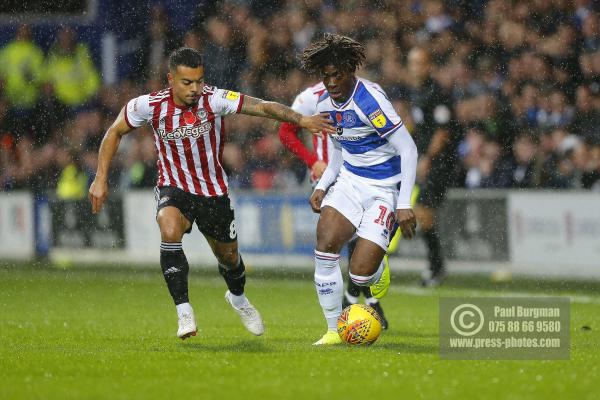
(345,53)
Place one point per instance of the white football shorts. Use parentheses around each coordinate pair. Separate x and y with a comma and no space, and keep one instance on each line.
(371,209)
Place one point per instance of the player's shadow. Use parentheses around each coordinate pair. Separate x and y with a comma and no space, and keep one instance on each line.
(244,346)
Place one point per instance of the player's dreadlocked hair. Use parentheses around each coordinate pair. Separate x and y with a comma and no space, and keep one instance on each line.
(344,53)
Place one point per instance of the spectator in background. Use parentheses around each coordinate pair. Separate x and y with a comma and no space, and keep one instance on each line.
(7,138)
(24,167)
(282,45)
(54,115)
(257,59)
(264,162)
(554,168)
(192,40)
(522,162)
(225,53)
(525,106)
(586,121)
(140,171)
(470,152)
(495,171)
(437,20)
(579,165)
(590,31)
(156,43)
(485,167)
(589,63)
(72,181)
(7,148)
(234,164)
(21,74)
(592,178)
(302,27)
(71,71)
(555,112)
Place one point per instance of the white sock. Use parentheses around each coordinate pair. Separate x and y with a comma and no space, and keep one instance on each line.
(351,299)
(184,308)
(370,279)
(330,286)
(238,301)
(371,300)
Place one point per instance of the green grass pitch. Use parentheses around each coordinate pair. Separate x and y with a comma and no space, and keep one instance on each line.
(110,334)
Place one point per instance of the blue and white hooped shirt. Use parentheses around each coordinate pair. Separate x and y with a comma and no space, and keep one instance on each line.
(364,122)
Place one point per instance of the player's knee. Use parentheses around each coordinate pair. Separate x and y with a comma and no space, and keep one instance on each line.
(171,233)
(326,245)
(364,264)
(360,269)
(326,242)
(228,258)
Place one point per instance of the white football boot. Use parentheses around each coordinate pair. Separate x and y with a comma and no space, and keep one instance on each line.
(249,315)
(187,325)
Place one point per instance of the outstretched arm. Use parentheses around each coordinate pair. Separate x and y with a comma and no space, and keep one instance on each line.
(288,134)
(110,143)
(270,109)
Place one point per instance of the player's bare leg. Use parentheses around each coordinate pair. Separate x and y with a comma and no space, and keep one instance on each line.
(353,291)
(175,267)
(333,231)
(233,270)
(367,267)
(426,217)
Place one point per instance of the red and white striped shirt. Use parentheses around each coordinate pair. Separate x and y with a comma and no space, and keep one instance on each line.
(189,140)
(306,104)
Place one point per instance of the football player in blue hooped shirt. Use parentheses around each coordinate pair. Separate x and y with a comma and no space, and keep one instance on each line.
(366,187)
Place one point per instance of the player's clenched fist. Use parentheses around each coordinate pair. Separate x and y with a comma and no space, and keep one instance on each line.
(316,199)
(97,194)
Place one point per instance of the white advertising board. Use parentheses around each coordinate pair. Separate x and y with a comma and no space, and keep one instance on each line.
(16,226)
(559,232)
(142,236)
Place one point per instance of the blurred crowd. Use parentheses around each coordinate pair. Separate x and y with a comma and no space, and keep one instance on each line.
(523,77)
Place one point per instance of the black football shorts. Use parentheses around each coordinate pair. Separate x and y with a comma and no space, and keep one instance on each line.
(214,216)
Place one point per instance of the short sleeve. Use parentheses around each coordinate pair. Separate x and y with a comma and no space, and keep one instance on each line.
(378,110)
(306,103)
(225,102)
(137,111)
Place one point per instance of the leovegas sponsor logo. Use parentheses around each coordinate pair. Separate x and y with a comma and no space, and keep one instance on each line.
(193,132)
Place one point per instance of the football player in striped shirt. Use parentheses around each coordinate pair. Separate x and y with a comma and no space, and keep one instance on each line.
(367,185)
(189,134)
(316,160)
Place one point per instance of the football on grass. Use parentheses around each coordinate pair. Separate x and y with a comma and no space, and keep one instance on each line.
(359,324)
